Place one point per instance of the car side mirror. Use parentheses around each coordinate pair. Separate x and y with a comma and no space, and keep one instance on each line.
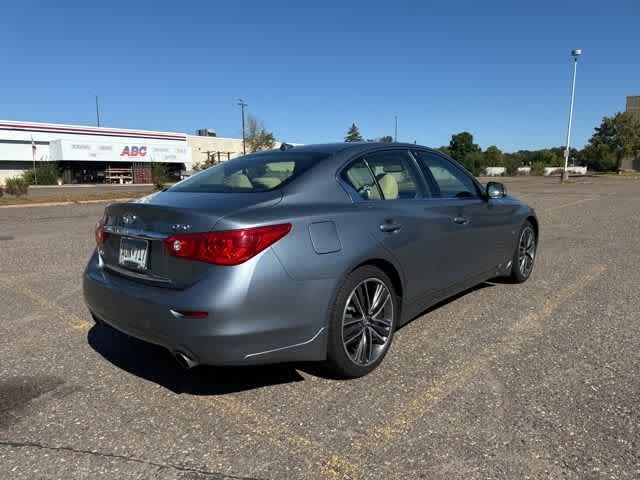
(496,190)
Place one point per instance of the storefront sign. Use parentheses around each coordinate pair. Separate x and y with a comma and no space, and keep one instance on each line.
(163,151)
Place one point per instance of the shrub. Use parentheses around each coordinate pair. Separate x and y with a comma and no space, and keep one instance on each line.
(512,169)
(158,175)
(537,168)
(1,191)
(46,174)
(16,186)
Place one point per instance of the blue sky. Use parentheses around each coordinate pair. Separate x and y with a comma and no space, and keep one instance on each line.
(308,69)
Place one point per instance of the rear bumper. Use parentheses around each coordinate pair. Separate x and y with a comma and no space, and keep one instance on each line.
(257,313)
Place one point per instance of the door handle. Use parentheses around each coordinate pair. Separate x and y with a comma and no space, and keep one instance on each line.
(390,227)
(460,220)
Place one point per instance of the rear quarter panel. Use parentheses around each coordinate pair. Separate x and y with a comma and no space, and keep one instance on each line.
(303,260)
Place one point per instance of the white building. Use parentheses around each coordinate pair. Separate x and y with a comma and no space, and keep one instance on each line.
(90,154)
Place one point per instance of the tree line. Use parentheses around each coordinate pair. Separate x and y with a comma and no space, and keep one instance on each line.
(615,139)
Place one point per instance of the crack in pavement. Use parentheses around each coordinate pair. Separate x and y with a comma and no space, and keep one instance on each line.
(221,476)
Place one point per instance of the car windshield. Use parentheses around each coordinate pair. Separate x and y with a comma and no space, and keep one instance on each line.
(253,173)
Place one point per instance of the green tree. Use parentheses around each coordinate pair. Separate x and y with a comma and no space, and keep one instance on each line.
(616,138)
(159,173)
(547,157)
(598,157)
(475,162)
(537,168)
(386,139)
(511,163)
(462,148)
(444,149)
(46,173)
(257,136)
(494,157)
(550,158)
(461,145)
(353,135)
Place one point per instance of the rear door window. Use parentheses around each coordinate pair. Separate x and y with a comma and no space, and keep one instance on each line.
(359,177)
(394,175)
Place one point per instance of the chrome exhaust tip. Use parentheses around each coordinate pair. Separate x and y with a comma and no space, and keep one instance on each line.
(184,360)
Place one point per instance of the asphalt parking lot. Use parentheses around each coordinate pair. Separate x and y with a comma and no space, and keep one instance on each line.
(539,380)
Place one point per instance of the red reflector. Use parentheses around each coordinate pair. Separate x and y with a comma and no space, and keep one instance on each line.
(192,313)
(99,232)
(228,247)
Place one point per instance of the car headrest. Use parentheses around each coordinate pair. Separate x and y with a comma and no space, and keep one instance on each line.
(281,166)
(238,180)
(389,186)
(267,182)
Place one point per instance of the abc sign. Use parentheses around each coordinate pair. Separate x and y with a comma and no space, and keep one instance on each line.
(134,151)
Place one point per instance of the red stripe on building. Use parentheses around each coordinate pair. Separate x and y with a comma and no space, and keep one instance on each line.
(94,131)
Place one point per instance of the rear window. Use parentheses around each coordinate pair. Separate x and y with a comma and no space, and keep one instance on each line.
(253,173)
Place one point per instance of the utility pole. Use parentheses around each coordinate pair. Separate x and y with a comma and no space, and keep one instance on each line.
(97,111)
(243,104)
(395,137)
(33,157)
(565,173)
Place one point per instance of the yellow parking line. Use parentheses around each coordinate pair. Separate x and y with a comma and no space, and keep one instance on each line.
(532,322)
(441,388)
(332,466)
(570,204)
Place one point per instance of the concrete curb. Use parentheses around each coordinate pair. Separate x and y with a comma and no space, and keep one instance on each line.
(56,204)
(115,186)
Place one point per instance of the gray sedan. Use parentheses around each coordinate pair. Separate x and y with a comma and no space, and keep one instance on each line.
(313,253)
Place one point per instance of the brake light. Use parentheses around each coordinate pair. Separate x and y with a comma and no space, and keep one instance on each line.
(99,232)
(228,247)
(190,313)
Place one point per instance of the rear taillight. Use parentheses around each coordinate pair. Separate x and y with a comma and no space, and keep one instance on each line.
(190,313)
(99,232)
(229,247)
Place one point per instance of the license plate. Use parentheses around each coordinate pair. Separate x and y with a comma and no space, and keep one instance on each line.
(133,253)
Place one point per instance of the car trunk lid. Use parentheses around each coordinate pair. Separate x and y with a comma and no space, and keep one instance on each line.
(136,231)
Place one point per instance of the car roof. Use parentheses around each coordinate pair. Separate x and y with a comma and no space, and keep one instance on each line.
(331,148)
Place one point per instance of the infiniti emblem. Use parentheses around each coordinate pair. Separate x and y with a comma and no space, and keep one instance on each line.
(129,218)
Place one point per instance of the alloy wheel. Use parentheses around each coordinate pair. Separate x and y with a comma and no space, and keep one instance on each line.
(526,251)
(367,321)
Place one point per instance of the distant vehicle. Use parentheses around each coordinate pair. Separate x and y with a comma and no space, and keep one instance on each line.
(311,253)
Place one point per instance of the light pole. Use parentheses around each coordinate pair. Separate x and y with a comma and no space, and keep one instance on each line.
(243,104)
(395,137)
(565,174)
(33,157)
(97,111)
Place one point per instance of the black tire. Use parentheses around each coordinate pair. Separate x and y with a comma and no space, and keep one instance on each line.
(518,273)
(97,321)
(339,362)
